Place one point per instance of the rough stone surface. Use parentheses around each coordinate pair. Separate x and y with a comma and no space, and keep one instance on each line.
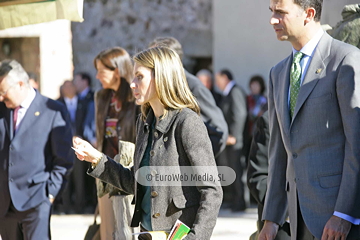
(132,24)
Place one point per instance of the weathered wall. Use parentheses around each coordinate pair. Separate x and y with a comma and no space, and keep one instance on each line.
(132,24)
(244,40)
(51,58)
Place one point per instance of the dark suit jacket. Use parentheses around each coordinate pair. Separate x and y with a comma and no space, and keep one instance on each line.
(234,109)
(210,113)
(84,107)
(33,163)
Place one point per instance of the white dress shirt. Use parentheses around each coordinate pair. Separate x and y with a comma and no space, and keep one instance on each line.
(24,106)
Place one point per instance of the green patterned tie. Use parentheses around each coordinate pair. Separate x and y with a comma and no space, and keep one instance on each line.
(295,76)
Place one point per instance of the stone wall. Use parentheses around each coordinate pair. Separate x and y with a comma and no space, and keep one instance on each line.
(132,24)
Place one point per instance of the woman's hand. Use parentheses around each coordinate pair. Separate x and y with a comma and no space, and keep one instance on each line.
(86,151)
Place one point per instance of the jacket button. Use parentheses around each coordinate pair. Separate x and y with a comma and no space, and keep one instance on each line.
(294,155)
(165,139)
(154,194)
(153,173)
(152,153)
(156,215)
(156,134)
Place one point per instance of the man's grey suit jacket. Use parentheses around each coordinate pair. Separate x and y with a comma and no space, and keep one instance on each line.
(315,157)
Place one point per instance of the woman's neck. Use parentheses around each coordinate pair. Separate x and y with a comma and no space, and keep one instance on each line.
(158,108)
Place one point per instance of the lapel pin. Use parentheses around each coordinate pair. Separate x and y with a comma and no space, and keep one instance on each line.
(318,70)
(37,113)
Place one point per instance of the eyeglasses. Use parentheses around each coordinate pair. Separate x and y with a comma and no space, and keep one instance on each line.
(5,92)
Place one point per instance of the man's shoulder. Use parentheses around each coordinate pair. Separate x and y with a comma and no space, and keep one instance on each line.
(49,103)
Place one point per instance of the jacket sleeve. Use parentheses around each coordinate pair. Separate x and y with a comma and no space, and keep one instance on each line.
(276,199)
(197,147)
(62,155)
(348,94)
(238,115)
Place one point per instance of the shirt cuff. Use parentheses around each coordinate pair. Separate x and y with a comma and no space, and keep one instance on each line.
(355,221)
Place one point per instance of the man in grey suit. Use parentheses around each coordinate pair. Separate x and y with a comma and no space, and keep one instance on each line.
(314,117)
(233,106)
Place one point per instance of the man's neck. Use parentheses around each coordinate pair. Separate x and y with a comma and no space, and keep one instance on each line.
(309,33)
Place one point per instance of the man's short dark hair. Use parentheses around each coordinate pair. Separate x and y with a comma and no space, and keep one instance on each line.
(169,42)
(85,76)
(316,4)
(227,73)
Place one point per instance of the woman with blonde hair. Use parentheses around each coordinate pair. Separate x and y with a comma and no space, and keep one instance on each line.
(170,134)
(115,113)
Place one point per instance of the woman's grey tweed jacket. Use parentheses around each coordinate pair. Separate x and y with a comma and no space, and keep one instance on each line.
(180,139)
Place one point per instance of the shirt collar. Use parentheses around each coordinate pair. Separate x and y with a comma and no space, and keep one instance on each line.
(228,88)
(28,100)
(70,100)
(164,124)
(309,48)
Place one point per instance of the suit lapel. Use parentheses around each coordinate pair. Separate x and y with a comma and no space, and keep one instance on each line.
(9,122)
(31,115)
(315,71)
(284,92)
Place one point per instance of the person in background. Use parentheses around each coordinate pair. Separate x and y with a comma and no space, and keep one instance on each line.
(233,106)
(209,112)
(256,101)
(35,155)
(115,120)
(314,146)
(33,80)
(86,129)
(170,132)
(205,76)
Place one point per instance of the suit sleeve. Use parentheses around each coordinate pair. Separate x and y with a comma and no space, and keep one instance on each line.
(62,155)
(197,148)
(276,199)
(238,116)
(348,94)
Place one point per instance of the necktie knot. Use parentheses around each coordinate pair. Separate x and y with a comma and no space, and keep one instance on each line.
(297,57)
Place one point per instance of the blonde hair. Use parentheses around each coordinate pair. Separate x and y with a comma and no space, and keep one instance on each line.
(170,81)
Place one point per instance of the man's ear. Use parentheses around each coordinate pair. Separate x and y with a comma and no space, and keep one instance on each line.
(310,15)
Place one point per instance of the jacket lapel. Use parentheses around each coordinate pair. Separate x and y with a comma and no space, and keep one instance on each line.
(315,71)
(31,115)
(9,123)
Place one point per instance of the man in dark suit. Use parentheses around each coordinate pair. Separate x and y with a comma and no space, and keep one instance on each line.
(314,112)
(35,154)
(210,113)
(233,106)
(80,190)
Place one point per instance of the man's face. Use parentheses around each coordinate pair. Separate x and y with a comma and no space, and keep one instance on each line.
(221,81)
(288,20)
(80,83)
(10,93)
